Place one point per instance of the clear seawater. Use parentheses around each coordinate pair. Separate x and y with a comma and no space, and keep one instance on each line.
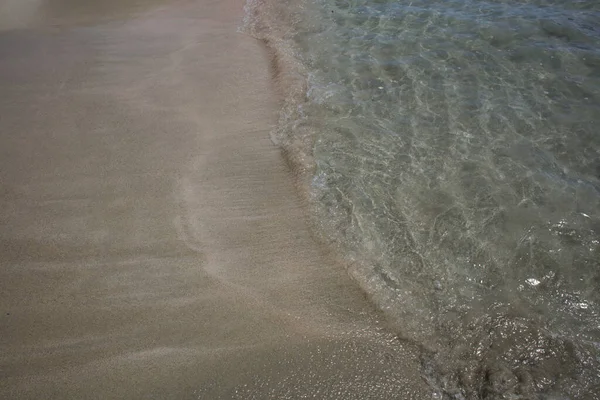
(450,151)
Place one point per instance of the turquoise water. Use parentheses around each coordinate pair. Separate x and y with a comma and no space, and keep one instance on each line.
(451,154)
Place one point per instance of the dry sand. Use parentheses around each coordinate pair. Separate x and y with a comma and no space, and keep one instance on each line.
(152,243)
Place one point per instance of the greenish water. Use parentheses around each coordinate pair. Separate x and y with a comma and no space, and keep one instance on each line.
(451,151)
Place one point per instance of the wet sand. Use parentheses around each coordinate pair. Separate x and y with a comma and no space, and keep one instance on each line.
(152,243)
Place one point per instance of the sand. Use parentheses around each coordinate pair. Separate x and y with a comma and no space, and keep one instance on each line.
(152,244)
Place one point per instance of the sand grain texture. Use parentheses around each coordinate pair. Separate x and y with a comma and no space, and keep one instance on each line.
(152,244)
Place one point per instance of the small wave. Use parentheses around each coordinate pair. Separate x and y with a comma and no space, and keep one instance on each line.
(449,152)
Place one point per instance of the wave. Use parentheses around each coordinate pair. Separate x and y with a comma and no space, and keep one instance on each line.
(447,153)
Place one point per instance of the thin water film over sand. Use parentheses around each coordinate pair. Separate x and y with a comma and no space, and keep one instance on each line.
(452,155)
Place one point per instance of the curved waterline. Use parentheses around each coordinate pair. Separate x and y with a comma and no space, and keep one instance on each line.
(450,152)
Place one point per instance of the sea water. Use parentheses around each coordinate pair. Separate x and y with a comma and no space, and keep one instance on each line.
(450,153)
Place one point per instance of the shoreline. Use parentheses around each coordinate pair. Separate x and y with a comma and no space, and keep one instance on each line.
(154,242)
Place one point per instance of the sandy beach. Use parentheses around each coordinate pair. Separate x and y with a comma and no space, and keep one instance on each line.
(152,242)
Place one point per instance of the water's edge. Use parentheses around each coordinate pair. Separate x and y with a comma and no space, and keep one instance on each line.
(492,349)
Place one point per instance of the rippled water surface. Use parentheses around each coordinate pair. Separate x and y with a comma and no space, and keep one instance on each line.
(451,150)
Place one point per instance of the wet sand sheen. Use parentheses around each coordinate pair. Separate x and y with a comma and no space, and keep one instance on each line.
(152,242)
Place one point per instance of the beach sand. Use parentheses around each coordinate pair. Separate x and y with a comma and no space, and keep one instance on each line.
(152,242)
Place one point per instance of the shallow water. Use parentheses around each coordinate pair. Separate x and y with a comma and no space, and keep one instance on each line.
(451,153)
